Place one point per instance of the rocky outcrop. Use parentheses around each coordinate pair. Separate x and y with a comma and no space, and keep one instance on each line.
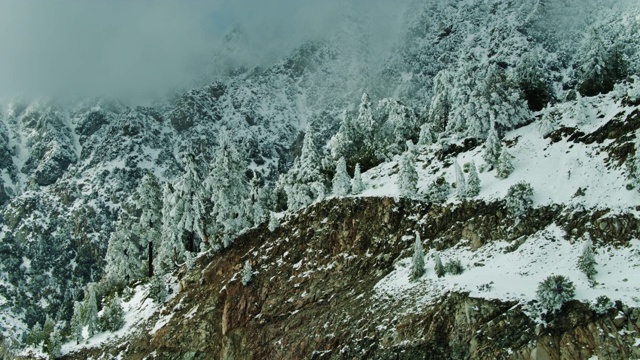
(312,294)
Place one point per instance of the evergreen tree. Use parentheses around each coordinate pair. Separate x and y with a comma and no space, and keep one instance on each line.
(461,183)
(273,222)
(229,189)
(587,261)
(150,225)
(303,183)
(157,289)
(547,124)
(438,268)
(636,158)
(427,137)
(123,255)
(258,211)
(519,198)
(554,291)
(473,181)
(170,248)
(532,79)
(112,318)
(407,177)
(417,265)
(35,335)
(189,205)
(91,309)
(357,186)
(441,103)
(504,168)
(492,148)
(602,66)
(54,345)
(439,190)
(400,124)
(341,180)
(77,322)
(246,273)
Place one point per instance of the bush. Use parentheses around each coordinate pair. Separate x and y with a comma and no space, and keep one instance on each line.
(454,267)
(519,198)
(157,289)
(554,291)
(602,305)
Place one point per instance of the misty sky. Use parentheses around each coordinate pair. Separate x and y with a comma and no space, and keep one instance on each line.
(134,49)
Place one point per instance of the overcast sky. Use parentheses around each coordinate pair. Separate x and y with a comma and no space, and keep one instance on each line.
(138,48)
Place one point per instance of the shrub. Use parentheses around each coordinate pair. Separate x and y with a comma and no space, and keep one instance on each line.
(454,267)
(554,291)
(602,305)
(519,198)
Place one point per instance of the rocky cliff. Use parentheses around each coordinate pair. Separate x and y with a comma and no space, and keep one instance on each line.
(316,292)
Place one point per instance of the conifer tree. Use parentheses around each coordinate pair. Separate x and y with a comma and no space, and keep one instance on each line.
(54,344)
(229,189)
(417,265)
(473,181)
(170,249)
(636,158)
(438,268)
(357,186)
(407,176)
(461,183)
(547,124)
(587,261)
(504,168)
(189,200)
(439,190)
(35,335)
(123,255)
(492,148)
(112,318)
(246,273)
(532,80)
(150,225)
(273,222)
(77,322)
(427,137)
(258,211)
(341,180)
(91,309)
(303,183)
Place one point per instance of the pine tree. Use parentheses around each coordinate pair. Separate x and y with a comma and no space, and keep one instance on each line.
(157,289)
(246,273)
(636,158)
(150,225)
(533,80)
(440,108)
(77,322)
(417,266)
(473,180)
(170,249)
(273,222)
(357,186)
(341,180)
(439,190)
(492,148)
(256,198)
(407,176)
(519,198)
(587,261)
(91,309)
(554,291)
(54,345)
(504,168)
(427,137)
(123,255)
(189,197)
(112,318)
(229,189)
(547,124)
(438,268)
(461,183)
(303,183)
(35,335)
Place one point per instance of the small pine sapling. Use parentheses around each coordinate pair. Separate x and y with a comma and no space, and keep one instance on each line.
(504,167)
(492,147)
(77,322)
(587,262)
(547,124)
(417,265)
(407,177)
(247,273)
(473,180)
(438,268)
(461,183)
(341,180)
(357,186)
(273,222)
(54,344)
(554,291)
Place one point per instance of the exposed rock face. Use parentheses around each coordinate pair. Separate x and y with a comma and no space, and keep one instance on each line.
(312,294)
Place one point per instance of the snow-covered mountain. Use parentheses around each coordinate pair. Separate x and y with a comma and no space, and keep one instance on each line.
(560,97)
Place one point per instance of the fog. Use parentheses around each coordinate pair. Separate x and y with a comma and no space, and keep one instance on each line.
(139,49)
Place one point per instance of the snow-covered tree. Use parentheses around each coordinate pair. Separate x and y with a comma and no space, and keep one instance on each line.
(439,190)
(259,214)
(441,103)
(519,198)
(427,137)
(341,180)
(417,265)
(438,267)
(246,273)
(303,183)
(407,176)
(504,167)
(587,261)
(170,248)
(461,183)
(492,148)
(473,180)
(636,158)
(77,322)
(399,124)
(157,289)
(273,221)
(547,123)
(150,225)
(54,344)
(112,317)
(357,186)
(91,309)
(123,263)
(229,190)
(601,65)
(554,291)
(532,79)
(189,202)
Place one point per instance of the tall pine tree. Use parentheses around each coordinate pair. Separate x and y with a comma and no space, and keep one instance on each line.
(150,225)
(341,180)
